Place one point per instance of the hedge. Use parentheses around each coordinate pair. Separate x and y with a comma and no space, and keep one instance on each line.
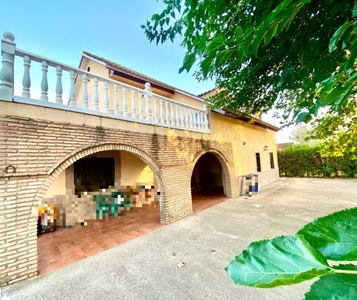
(306,161)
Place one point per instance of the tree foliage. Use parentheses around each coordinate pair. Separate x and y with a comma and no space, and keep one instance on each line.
(298,55)
(293,259)
(338,130)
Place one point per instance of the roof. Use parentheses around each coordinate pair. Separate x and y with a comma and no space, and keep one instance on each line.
(206,92)
(129,72)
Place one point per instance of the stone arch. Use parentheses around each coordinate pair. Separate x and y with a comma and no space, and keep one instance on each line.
(78,154)
(226,173)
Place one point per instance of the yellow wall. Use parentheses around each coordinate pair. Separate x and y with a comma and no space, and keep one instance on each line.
(134,171)
(57,187)
(226,129)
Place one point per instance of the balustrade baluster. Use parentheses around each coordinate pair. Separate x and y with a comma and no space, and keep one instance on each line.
(156,112)
(125,102)
(167,113)
(116,99)
(191,118)
(133,104)
(162,114)
(106,97)
(85,91)
(199,120)
(182,117)
(26,81)
(195,119)
(148,94)
(72,89)
(44,82)
(7,70)
(177,115)
(59,89)
(96,94)
(205,119)
(202,120)
(172,114)
(187,118)
(141,116)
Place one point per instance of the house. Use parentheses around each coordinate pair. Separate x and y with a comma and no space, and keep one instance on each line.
(110,128)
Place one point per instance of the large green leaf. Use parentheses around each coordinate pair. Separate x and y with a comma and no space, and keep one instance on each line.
(335,235)
(279,261)
(336,36)
(335,286)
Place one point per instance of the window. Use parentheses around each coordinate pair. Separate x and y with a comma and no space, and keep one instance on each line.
(257,158)
(271,160)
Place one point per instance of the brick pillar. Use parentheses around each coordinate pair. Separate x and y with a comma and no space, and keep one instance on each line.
(177,202)
(18,228)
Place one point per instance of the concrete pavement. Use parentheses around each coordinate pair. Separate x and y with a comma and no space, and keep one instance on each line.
(147,267)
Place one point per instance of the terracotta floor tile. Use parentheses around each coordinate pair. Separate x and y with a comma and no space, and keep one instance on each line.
(107,244)
(92,250)
(68,251)
(55,266)
(77,257)
(66,245)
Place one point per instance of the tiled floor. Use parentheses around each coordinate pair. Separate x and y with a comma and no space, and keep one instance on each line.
(66,246)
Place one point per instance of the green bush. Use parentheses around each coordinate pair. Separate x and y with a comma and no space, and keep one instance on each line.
(306,161)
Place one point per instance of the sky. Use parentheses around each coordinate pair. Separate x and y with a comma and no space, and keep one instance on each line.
(62,29)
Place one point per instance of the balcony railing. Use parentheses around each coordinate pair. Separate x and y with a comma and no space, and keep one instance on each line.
(106,97)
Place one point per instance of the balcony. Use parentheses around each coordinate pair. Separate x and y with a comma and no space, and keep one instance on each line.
(64,87)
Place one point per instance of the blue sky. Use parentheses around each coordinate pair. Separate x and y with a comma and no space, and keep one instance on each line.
(62,29)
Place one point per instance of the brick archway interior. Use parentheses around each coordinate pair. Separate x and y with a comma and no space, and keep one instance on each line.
(225,173)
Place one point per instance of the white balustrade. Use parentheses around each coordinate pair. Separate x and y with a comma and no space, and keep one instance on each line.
(44,81)
(141,116)
(85,91)
(103,92)
(116,99)
(106,97)
(167,113)
(125,103)
(172,114)
(133,104)
(148,94)
(72,89)
(162,113)
(59,89)
(6,74)
(156,112)
(26,81)
(96,94)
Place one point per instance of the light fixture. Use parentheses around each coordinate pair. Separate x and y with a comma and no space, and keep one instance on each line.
(265,148)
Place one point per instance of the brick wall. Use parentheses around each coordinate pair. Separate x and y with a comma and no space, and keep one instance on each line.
(41,149)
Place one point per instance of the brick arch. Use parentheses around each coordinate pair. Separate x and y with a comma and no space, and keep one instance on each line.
(226,172)
(78,154)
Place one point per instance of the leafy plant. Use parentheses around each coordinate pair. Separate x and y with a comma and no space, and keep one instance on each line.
(288,260)
(299,55)
(312,161)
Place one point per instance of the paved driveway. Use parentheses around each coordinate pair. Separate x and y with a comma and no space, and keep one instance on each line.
(147,267)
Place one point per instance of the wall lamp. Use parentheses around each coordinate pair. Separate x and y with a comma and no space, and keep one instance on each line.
(265,148)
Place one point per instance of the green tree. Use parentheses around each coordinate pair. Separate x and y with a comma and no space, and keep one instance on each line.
(339,132)
(302,135)
(298,55)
